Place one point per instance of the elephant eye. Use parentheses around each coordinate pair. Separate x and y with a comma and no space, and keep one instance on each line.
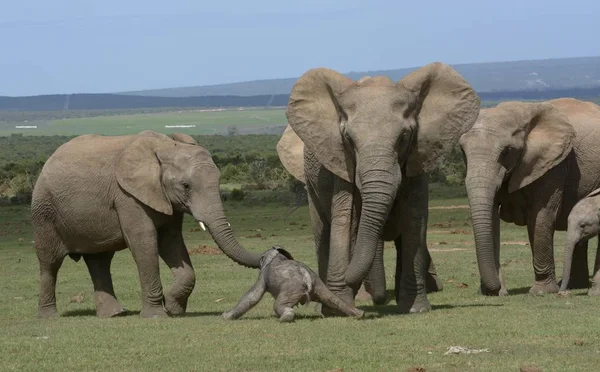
(186,186)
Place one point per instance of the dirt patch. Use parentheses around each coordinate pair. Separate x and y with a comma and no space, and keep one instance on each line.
(204,249)
(462,206)
(530,369)
(460,232)
(447,249)
(518,242)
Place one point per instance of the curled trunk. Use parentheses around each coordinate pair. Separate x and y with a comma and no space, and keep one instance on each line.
(220,230)
(568,261)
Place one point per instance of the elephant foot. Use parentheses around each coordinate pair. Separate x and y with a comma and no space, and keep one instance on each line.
(175,307)
(502,292)
(48,313)
(594,290)
(365,295)
(228,315)
(542,288)
(111,313)
(107,306)
(433,283)
(345,294)
(410,304)
(287,316)
(153,312)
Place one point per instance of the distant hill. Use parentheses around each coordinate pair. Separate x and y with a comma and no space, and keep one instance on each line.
(121,102)
(560,73)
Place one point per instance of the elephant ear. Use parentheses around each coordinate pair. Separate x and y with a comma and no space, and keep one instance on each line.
(184,138)
(290,149)
(314,114)
(138,172)
(447,107)
(593,193)
(151,133)
(284,253)
(549,141)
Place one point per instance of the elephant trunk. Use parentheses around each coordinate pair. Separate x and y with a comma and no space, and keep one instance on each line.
(213,217)
(380,178)
(482,187)
(570,243)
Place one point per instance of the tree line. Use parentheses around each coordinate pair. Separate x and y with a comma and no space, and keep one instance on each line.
(248,165)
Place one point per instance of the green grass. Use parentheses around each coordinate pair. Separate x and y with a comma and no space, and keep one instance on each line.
(519,330)
(206,122)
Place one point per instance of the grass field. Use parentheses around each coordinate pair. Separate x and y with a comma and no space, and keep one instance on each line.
(206,122)
(551,333)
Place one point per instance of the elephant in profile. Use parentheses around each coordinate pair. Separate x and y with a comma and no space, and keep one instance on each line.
(100,194)
(528,164)
(363,149)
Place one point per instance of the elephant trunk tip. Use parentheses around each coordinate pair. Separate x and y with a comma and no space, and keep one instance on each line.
(354,276)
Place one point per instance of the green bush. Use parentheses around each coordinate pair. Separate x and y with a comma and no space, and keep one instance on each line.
(237,194)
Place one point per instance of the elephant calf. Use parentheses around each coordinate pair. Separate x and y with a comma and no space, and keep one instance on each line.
(583,224)
(290,282)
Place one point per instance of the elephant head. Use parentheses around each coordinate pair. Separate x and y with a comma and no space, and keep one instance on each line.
(179,175)
(371,131)
(510,146)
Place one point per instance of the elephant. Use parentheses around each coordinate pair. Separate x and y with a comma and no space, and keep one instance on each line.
(290,283)
(528,163)
(583,224)
(100,194)
(363,149)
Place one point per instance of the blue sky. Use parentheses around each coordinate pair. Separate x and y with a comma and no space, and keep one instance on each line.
(74,46)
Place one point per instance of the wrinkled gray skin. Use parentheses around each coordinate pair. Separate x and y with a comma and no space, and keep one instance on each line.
(290,283)
(529,163)
(97,195)
(583,224)
(364,149)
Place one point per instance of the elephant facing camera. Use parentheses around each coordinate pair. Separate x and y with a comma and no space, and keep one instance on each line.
(291,283)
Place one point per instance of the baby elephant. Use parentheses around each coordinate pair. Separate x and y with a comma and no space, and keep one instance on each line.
(583,224)
(290,282)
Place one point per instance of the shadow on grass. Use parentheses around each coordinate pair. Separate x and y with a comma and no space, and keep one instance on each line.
(385,310)
(92,312)
(518,291)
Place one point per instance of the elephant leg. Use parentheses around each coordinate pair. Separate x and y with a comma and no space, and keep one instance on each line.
(98,265)
(142,239)
(411,296)
(374,283)
(580,273)
(173,251)
(595,288)
(339,245)
(540,227)
(51,253)
(285,302)
(432,282)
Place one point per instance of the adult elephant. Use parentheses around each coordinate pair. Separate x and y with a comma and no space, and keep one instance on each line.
(529,163)
(100,194)
(367,148)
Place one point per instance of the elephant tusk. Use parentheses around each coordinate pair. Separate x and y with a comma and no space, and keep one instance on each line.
(202,225)
(228,224)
